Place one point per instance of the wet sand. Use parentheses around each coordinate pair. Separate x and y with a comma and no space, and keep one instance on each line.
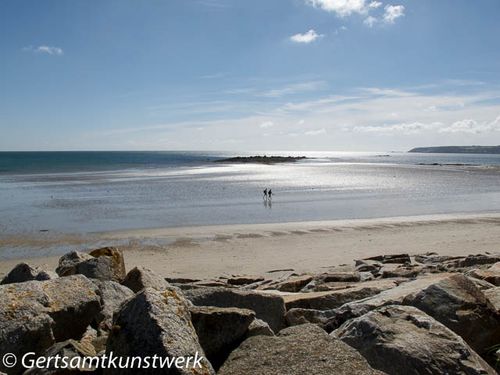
(213,251)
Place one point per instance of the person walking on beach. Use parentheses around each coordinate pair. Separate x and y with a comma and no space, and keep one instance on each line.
(265,194)
(269,194)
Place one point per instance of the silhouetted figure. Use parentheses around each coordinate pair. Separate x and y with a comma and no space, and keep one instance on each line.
(265,194)
(270,193)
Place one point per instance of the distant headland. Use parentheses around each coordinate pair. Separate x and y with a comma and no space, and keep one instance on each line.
(262,159)
(458,150)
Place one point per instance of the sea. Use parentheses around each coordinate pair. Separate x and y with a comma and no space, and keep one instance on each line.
(84,192)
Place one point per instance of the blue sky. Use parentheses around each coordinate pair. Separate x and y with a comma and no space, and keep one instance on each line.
(248,75)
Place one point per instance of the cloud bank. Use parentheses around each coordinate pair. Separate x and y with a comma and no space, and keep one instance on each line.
(344,8)
(302,117)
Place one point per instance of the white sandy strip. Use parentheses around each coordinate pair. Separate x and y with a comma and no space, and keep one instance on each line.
(212,251)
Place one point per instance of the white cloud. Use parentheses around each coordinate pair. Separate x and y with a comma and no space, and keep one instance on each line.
(472,126)
(406,128)
(318,104)
(359,119)
(306,38)
(462,126)
(49,50)
(375,4)
(370,21)
(295,88)
(377,91)
(266,124)
(342,8)
(369,9)
(214,75)
(393,12)
(316,132)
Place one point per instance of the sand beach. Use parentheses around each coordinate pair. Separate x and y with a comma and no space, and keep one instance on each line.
(211,251)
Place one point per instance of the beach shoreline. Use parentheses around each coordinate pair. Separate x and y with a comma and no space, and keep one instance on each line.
(255,249)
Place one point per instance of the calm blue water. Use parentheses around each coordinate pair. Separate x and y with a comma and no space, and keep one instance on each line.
(80,192)
(77,161)
(88,161)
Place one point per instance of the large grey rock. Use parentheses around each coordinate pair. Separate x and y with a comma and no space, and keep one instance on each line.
(319,286)
(472,261)
(24,272)
(68,349)
(390,258)
(434,258)
(495,267)
(244,280)
(96,268)
(220,330)
(270,308)
(257,284)
(112,295)
(344,277)
(140,278)
(493,296)
(297,316)
(404,340)
(259,327)
(491,275)
(481,284)
(331,299)
(458,304)
(207,283)
(404,271)
(95,338)
(30,332)
(394,296)
(156,323)
(180,280)
(36,314)
(69,261)
(106,263)
(299,350)
(365,265)
(291,284)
